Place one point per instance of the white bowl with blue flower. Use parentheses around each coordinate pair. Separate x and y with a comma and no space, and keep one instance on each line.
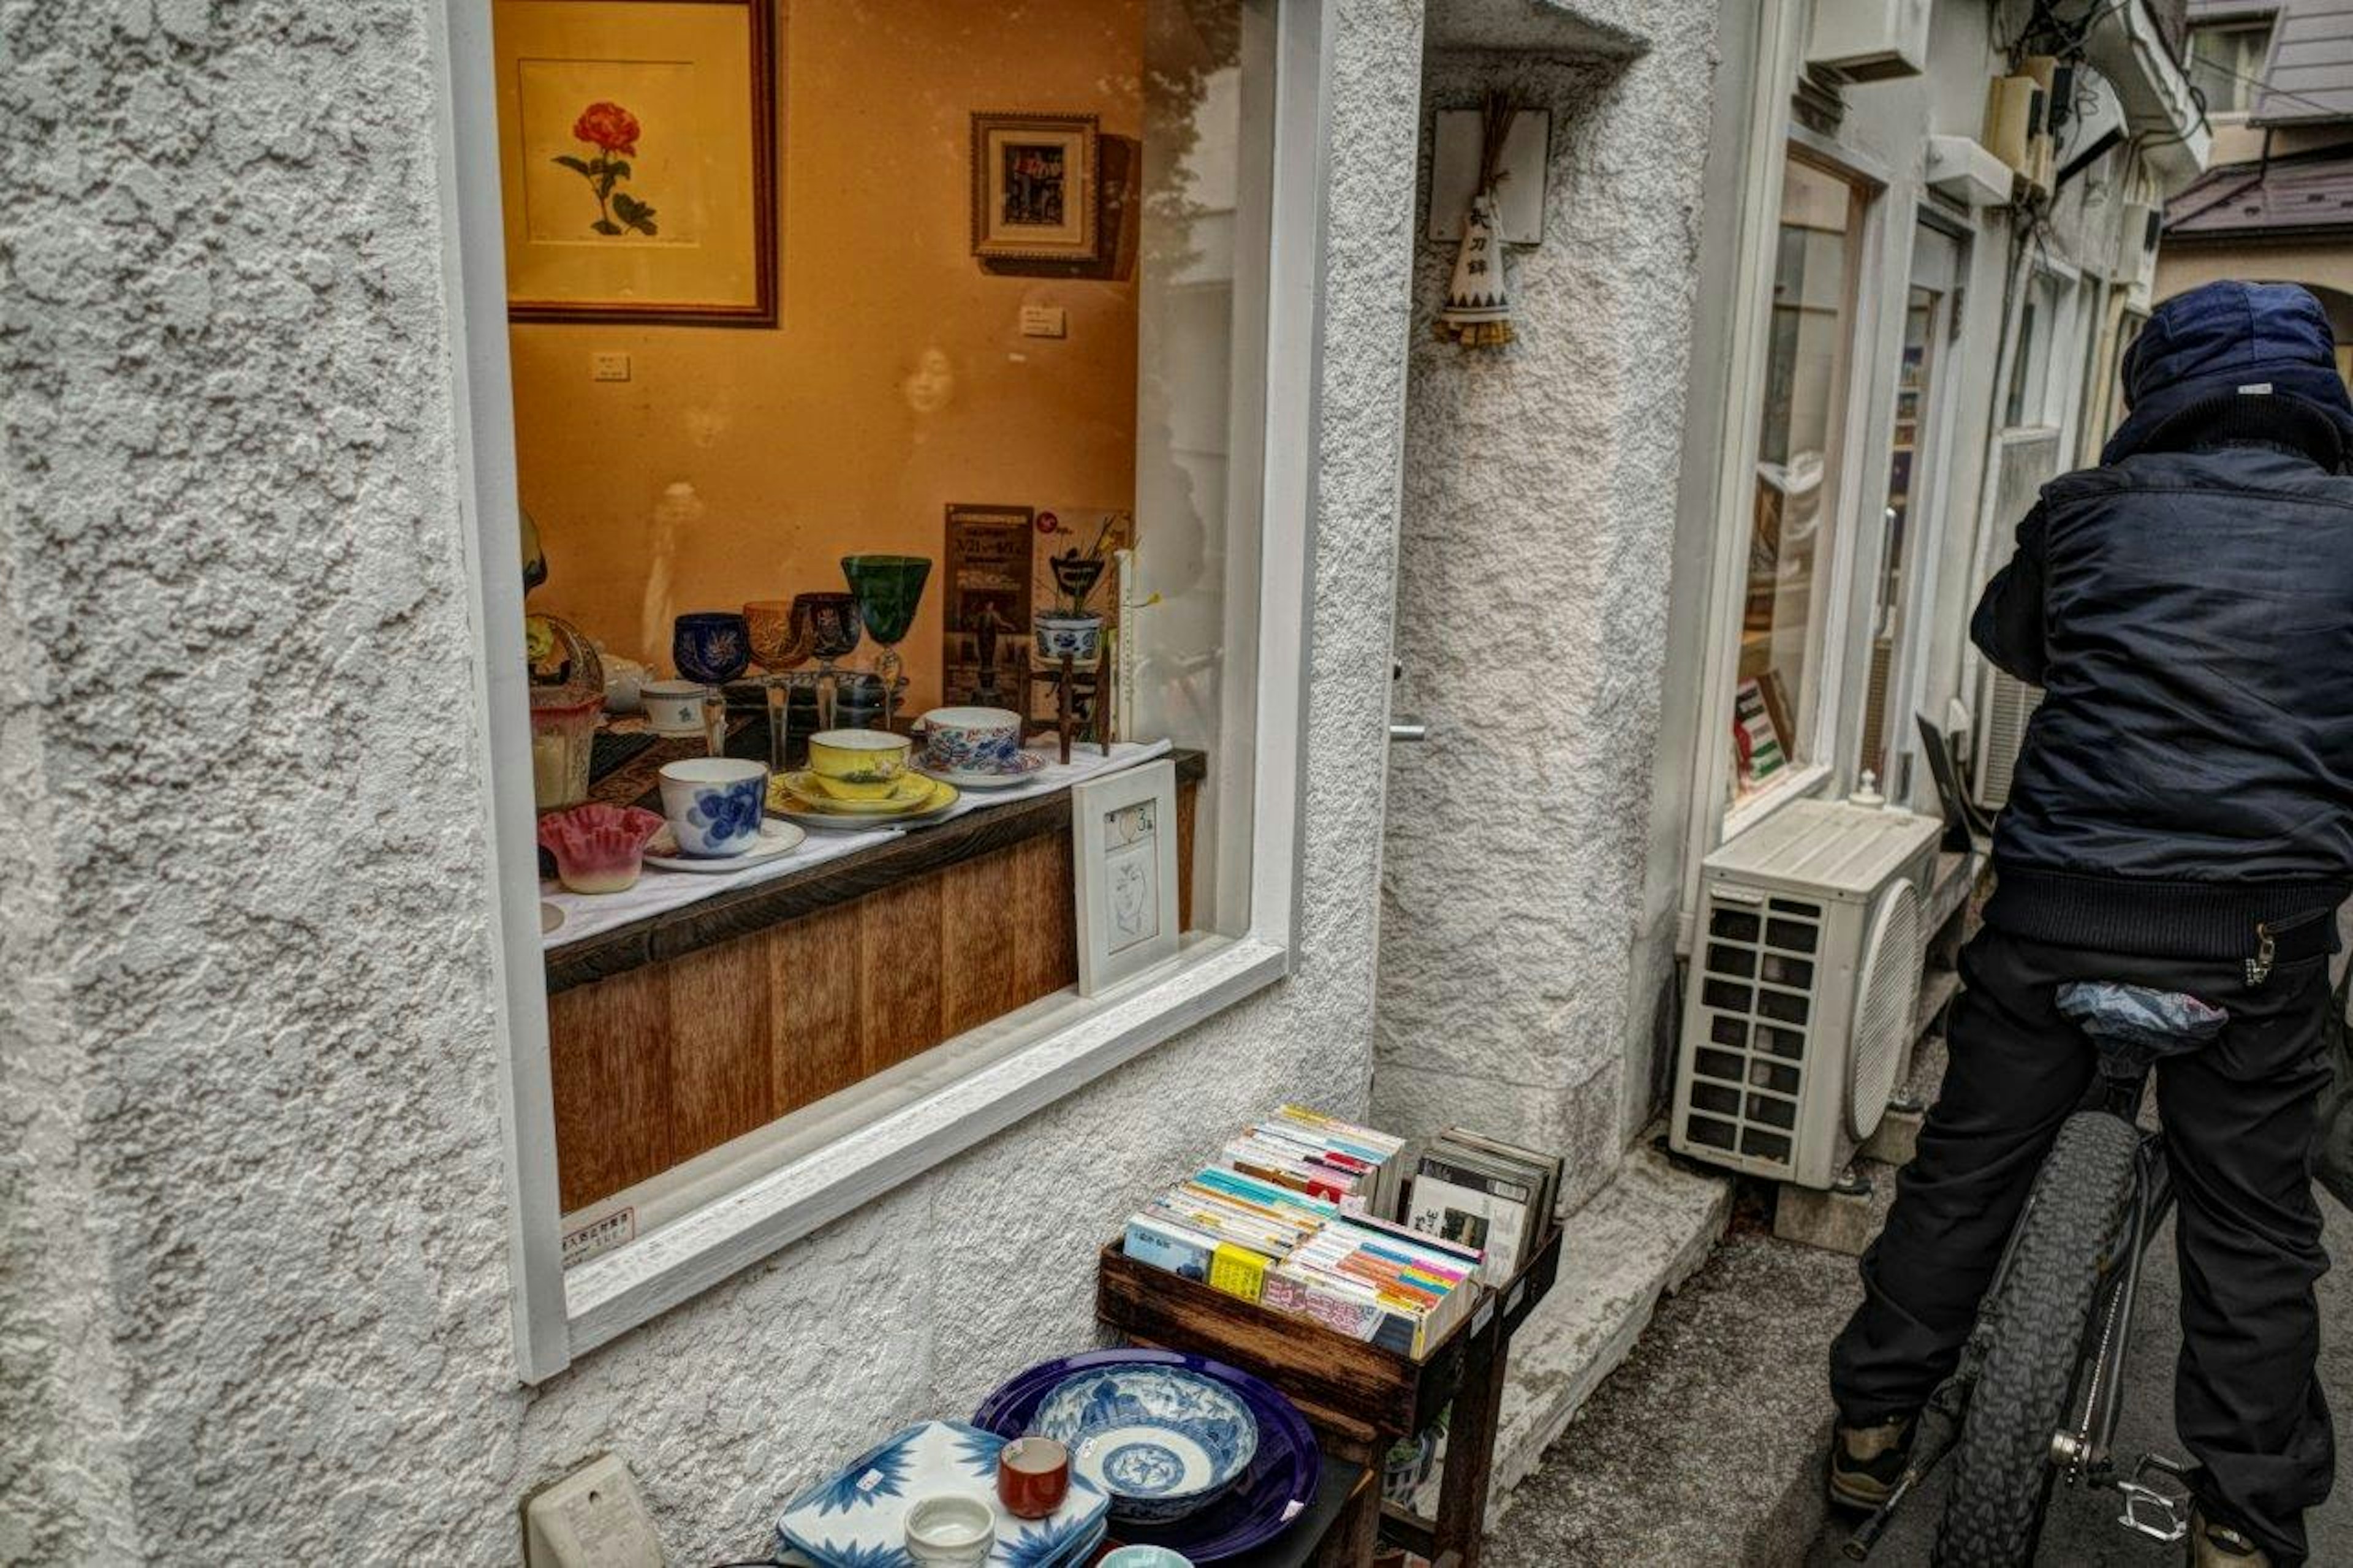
(1162,1440)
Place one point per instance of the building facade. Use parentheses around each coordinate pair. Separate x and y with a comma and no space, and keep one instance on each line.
(284,1248)
(2277,206)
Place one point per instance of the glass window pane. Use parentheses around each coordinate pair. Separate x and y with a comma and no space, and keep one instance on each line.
(1788,557)
(964,289)
(2226,61)
(1896,549)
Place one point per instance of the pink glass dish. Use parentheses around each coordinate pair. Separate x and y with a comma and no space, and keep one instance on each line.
(598,848)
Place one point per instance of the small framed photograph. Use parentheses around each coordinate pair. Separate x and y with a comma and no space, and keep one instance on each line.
(1123,861)
(1033,187)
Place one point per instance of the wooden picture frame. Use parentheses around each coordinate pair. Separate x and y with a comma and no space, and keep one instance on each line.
(638,160)
(1123,873)
(1035,186)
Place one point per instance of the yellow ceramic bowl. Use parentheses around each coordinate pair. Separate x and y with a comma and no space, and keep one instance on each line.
(856,765)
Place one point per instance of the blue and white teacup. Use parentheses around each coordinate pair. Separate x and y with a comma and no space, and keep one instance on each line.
(715,804)
(972,740)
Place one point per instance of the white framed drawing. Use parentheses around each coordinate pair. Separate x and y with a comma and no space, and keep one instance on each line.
(1124,863)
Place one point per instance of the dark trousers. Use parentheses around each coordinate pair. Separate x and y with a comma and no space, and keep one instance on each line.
(2239,1117)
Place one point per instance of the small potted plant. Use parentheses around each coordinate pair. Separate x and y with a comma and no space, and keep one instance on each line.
(1070,630)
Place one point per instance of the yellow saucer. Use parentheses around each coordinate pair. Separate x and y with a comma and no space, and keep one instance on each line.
(798,794)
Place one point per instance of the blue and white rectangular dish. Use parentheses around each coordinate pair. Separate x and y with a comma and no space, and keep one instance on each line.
(858,1518)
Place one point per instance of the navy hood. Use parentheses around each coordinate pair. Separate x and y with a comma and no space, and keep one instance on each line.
(2219,338)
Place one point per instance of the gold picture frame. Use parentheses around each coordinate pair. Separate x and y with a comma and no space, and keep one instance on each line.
(1034,186)
(636,159)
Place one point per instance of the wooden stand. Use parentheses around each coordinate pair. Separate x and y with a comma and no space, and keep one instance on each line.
(1064,675)
(1359,1398)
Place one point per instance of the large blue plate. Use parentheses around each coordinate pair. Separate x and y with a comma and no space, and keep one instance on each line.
(1277,1488)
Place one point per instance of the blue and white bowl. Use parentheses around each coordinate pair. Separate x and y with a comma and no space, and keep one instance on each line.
(1163,1441)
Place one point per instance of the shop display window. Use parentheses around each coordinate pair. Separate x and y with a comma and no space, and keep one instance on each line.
(867,362)
(1790,556)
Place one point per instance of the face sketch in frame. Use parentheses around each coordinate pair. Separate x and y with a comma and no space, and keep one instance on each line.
(1032,187)
(1133,875)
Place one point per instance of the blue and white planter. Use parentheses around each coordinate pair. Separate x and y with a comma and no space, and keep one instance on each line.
(1078,637)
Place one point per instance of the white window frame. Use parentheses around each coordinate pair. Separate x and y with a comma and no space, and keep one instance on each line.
(1716,818)
(833,1162)
(1931,476)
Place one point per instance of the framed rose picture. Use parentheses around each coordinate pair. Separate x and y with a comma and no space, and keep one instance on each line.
(637,157)
(1033,187)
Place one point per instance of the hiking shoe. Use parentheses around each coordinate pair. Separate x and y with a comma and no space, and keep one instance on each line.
(2214,1545)
(1867,1461)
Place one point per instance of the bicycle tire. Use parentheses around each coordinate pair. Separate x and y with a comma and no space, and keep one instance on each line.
(2001,1467)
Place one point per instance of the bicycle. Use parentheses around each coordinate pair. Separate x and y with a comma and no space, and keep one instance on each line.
(2038,1391)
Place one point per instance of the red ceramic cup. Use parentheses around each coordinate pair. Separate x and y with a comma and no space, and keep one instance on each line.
(1033,1477)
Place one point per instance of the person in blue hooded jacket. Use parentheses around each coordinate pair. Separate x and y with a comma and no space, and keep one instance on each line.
(2181,818)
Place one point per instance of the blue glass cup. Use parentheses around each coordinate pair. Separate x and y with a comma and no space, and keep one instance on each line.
(713,647)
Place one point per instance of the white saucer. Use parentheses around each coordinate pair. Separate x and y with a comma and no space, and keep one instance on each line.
(1029,767)
(775,839)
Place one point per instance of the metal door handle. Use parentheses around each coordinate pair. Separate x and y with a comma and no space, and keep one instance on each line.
(1408,728)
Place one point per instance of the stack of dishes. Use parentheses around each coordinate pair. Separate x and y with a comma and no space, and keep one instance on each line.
(858,779)
(858,1516)
(1197,1456)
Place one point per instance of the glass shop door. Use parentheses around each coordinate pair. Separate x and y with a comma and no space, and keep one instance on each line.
(1907,522)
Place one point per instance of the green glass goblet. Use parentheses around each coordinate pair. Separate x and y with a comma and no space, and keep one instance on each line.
(889,587)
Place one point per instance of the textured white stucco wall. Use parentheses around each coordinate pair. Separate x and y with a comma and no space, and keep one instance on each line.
(1532,601)
(253,1304)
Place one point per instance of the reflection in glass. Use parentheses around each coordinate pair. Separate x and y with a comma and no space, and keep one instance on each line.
(1903,467)
(1805,379)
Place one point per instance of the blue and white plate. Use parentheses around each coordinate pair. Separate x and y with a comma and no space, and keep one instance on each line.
(1161,1440)
(858,1518)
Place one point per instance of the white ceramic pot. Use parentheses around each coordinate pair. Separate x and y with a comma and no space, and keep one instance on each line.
(952,1530)
(675,707)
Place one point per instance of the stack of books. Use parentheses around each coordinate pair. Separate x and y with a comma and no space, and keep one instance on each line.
(1378,1282)
(1357,1168)
(1291,1221)
(1482,1193)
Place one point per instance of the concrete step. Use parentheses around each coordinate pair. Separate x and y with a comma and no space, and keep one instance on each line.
(1632,1242)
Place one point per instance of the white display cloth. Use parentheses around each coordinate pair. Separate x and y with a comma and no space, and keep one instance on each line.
(659,890)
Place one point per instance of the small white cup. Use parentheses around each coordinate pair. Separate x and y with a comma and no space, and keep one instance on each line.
(675,707)
(715,804)
(953,1529)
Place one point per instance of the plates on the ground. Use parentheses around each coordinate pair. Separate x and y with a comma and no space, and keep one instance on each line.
(859,1514)
(775,839)
(549,917)
(919,800)
(1026,768)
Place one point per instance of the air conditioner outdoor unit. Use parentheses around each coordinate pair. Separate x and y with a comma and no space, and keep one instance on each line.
(1869,40)
(1805,971)
(2004,705)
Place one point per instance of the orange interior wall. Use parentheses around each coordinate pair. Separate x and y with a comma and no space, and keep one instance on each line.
(897,380)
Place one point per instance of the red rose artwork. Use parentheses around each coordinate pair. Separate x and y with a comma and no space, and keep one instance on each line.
(613,131)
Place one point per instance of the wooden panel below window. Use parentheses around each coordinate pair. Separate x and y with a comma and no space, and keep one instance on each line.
(665,1061)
